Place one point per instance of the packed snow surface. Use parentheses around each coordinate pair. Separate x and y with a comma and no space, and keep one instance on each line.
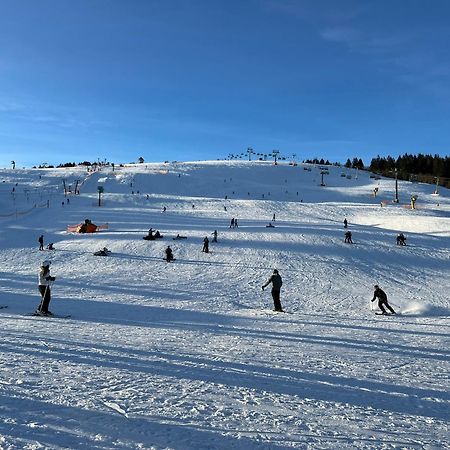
(188,354)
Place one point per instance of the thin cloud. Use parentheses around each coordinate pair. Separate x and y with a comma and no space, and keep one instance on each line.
(342,35)
(316,10)
(42,114)
(367,42)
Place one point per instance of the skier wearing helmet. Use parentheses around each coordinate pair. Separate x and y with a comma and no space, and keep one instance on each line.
(382,300)
(45,280)
(277,282)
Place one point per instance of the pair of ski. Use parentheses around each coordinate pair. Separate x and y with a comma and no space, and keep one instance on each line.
(385,314)
(50,316)
(36,314)
(269,312)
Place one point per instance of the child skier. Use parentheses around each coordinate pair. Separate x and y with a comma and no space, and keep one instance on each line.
(45,280)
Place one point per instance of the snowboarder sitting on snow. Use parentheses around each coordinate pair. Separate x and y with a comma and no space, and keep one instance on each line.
(45,280)
(179,237)
(270,225)
(382,300)
(149,236)
(401,239)
(348,237)
(103,252)
(277,282)
(158,235)
(50,246)
(169,254)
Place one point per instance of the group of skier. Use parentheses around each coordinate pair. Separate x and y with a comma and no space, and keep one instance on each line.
(401,239)
(205,249)
(45,280)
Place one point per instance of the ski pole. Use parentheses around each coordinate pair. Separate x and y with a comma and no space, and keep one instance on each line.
(43,297)
(262,299)
(49,286)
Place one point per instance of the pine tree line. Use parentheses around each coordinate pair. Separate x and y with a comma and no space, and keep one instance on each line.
(423,168)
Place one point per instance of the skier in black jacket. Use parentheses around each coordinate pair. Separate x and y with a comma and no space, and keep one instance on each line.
(382,300)
(277,282)
(41,242)
(205,245)
(169,254)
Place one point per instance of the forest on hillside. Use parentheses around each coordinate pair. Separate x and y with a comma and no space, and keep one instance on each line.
(423,168)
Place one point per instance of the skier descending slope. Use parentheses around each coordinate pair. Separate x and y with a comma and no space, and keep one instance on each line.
(382,300)
(277,282)
(45,280)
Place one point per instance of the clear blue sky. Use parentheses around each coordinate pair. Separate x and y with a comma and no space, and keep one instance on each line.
(199,79)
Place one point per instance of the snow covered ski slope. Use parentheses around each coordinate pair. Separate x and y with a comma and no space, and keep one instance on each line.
(189,355)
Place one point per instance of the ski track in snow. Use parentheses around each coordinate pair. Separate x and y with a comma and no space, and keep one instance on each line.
(189,355)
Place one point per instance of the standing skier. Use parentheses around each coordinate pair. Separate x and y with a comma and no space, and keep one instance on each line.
(41,242)
(45,280)
(345,223)
(277,282)
(215,236)
(169,254)
(382,300)
(205,245)
(348,237)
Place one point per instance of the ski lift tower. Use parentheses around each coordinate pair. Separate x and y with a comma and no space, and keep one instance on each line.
(436,191)
(275,155)
(100,190)
(250,152)
(396,186)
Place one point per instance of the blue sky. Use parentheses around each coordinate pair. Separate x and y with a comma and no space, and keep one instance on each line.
(199,79)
